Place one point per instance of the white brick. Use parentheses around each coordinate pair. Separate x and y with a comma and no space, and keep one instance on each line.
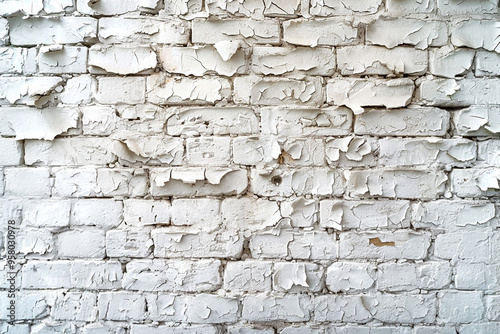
(104,59)
(78,90)
(68,59)
(279,91)
(35,244)
(364,215)
(492,308)
(43,214)
(460,7)
(350,277)
(36,7)
(175,90)
(460,306)
(31,91)
(206,217)
(248,330)
(4,31)
(90,244)
(263,308)
(300,212)
(400,244)
(54,327)
(68,151)
(16,328)
(476,34)
(110,7)
(164,307)
(449,62)
(205,308)
(484,328)
(357,329)
(12,59)
(103,213)
(474,182)
(404,309)
(122,306)
(453,215)
(213,121)
(306,122)
(413,121)
(358,93)
(143,31)
(487,63)
(474,246)
(256,9)
(76,306)
(418,33)
(341,308)
(176,243)
(139,212)
(122,182)
(303,181)
(411,276)
(147,119)
(194,329)
(128,243)
(198,181)
(199,61)
(12,152)
(96,275)
(249,214)
(114,90)
(339,7)
(247,276)
(60,30)
(297,277)
(408,7)
(319,32)
(27,182)
(351,151)
(379,60)
(32,305)
(172,275)
(98,120)
(282,60)
(98,328)
(477,121)
(300,245)
(488,152)
(213,31)
(135,148)
(46,275)
(77,182)
(208,151)
(477,276)
(434,330)
(427,152)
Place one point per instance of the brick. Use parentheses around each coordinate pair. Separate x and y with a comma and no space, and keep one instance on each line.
(278,91)
(69,152)
(338,7)
(60,30)
(379,60)
(408,7)
(419,33)
(319,32)
(104,59)
(351,151)
(54,327)
(300,245)
(434,330)
(247,276)
(109,7)
(340,308)
(191,329)
(474,182)
(36,7)
(461,93)
(199,61)
(121,306)
(300,212)
(143,31)
(400,244)
(429,275)
(12,60)
(263,308)
(487,63)
(357,329)
(474,246)
(364,215)
(133,148)
(477,121)
(488,152)
(12,152)
(98,120)
(211,151)
(172,275)
(141,213)
(394,93)
(32,305)
(205,308)
(96,275)
(256,9)
(350,277)
(91,244)
(175,90)
(492,308)
(128,243)
(206,217)
(165,307)
(476,34)
(485,328)
(43,214)
(77,182)
(410,121)
(4,31)
(68,59)
(395,308)
(35,244)
(281,60)
(144,118)
(249,330)
(31,91)
(427,152)
(213,121)
(297,277)
(460,306)
(17,328)
(249,214)
(78,90)
(213,31)
(198,181)
(76,306)
(449,63)
(395,183)
(27,182)
(306,122)
(114,90)
(103,213)
(122,182)
(477,276)
(46,275)
(303,181)
(458,7)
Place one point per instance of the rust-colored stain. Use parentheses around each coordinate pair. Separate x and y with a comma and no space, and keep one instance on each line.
(282,156)
(377,242)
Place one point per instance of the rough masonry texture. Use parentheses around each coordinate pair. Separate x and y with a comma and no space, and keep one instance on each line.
(250,166)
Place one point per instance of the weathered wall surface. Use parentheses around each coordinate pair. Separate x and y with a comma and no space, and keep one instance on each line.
(250,166)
